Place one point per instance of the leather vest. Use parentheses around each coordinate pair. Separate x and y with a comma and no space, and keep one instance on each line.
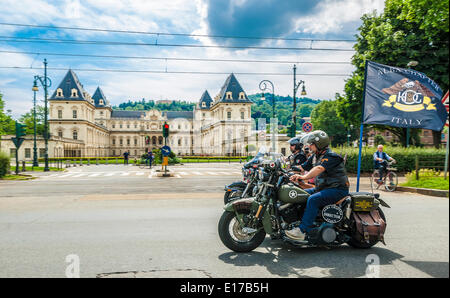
(338,176)
(297,159)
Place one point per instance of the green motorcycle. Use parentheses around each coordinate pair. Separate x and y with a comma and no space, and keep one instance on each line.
(279,205)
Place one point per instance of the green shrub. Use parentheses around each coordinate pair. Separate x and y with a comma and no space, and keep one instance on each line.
(4,164)
(405,157)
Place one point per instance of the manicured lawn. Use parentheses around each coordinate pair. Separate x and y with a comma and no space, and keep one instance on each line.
(428,182)
(36,169)
(16,177)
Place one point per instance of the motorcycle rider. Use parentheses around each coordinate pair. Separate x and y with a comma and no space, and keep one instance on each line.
(331,181)
(297,157)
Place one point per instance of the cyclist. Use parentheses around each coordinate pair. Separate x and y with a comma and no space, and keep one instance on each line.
(149,158)
(380,160)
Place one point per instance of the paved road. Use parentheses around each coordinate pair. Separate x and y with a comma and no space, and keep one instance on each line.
(119,222)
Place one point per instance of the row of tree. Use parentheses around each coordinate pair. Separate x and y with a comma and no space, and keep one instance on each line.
(261,108)
(406,30)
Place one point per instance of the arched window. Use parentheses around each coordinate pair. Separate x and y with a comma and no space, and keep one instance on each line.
(241,95)
(59,92)
(74,92)
(229,95)
(154,140)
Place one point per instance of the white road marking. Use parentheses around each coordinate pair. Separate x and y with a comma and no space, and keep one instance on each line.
(140,173)
(95,174)
(212,173)
(66,175)
(196,173)
(79,175)
(125,174)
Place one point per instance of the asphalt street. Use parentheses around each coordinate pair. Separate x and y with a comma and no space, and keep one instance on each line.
(122,221)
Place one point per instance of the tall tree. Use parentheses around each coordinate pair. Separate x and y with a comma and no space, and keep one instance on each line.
(324,117)
(407,30)
(7,126)
(28,120)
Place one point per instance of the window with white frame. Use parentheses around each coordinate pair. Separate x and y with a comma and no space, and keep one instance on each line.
(75,135)
(74,114)
(60,114)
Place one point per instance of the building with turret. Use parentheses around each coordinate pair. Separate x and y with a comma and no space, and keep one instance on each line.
(82,125)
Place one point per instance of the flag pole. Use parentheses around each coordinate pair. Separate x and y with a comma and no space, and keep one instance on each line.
(446,155)
(361,128)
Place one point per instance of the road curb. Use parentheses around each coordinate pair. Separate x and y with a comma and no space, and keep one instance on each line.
(424,191)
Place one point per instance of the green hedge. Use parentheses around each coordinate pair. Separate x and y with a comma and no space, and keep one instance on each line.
(4,164)
(405,157)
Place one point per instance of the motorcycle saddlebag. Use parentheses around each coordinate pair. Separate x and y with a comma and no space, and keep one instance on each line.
(370,226)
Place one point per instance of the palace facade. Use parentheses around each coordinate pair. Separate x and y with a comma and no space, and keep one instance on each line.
(82,125)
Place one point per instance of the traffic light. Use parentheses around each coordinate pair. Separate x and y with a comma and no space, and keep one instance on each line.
(20,130)
(165,130)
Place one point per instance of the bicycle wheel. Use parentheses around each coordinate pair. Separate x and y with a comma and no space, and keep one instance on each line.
(376,178)
(391,181)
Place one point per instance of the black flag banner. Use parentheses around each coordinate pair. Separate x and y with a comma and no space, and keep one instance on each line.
(402,97)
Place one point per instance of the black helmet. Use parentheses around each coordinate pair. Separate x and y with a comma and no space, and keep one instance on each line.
(295,141)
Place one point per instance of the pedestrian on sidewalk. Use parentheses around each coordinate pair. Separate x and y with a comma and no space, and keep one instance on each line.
(126,154)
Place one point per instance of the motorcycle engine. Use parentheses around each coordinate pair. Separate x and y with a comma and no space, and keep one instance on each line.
(291,212)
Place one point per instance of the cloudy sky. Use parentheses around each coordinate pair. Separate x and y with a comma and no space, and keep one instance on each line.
(331,24)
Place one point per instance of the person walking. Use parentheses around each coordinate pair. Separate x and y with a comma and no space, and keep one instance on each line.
(126,154)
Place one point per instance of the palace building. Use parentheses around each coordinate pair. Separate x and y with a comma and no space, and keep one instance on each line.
(82,125)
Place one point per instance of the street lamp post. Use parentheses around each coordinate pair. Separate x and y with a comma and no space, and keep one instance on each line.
(35,158)
(296,86)
(46,83)
(263,85)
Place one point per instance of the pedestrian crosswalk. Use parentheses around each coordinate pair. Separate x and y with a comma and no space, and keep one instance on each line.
(131,174)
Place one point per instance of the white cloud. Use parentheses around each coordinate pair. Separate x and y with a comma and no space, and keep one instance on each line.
(167,16)
(333,15)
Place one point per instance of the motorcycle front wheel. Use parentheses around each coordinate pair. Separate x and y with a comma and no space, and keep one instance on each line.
(231,196)
(234,238)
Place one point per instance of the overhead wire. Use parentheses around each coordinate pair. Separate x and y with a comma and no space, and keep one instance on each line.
(174,58)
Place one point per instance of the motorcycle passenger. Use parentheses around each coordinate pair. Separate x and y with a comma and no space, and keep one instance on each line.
(380,160)
(331,181)
(297,157)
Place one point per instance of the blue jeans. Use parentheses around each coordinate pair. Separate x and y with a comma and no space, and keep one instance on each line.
(319,199)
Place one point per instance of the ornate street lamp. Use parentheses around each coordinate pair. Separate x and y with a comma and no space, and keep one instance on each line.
(46,83)
(35,158)
(303,93)
(263,86)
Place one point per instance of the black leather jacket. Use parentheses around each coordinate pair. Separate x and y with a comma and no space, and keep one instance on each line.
(334,178)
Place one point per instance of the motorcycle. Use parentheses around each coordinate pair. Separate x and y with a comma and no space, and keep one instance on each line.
(278,206)
(248,186)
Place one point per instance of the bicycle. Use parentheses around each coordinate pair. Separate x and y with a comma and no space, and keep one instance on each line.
(389,180)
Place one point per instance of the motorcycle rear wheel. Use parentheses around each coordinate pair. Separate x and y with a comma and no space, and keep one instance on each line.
(234,238)
(355,243)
